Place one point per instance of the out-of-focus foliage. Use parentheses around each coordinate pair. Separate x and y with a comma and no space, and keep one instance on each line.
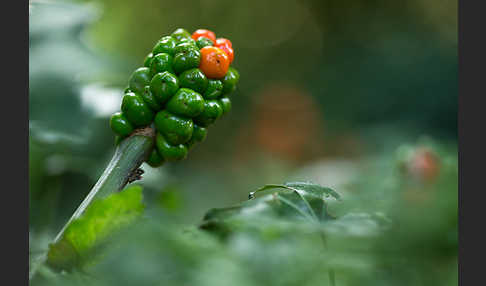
(386,230)
(103,217)
(69,102)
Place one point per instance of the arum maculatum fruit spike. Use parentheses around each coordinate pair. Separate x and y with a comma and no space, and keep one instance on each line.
(183,86)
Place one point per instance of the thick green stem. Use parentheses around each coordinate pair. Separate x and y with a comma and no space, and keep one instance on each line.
(129,155)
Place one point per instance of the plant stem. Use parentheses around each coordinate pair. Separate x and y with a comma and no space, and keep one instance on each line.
(129,155)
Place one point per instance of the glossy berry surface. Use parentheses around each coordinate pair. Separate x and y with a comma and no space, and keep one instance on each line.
(225,104)
(180,33)
(230,80)
(155,159)
(223,41)
(212,111)
(148,60)
(186,102)
(194,79)
(203,42)
(136,110)
(187,59)
(204,33)
(164,86)
(166,44)
(170,152)
(226,46)
(150,99)
(214,62)
(181,89)
(160,63)
(186,46)
(176,129)
(189,41)
(214,89)
(120,124)
(139,79)
(199,134)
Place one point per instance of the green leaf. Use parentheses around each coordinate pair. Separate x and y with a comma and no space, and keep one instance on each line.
(87,233)
(306,198)
(314,189)
(306,187)
(289,202)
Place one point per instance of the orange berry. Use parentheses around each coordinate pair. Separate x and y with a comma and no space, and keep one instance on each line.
(226,46)
(214,62)
(223,41)
(228,50)
(204,33)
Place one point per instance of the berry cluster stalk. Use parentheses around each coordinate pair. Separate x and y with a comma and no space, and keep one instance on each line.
(129,155)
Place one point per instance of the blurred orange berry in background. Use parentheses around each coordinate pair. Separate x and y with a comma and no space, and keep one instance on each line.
(424,164)
(420,167)
(286,122)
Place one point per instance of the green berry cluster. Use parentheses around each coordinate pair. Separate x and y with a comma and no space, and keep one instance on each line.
(171,92)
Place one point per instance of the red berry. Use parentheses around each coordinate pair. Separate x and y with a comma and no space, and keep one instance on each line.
(223,41)
(204,33)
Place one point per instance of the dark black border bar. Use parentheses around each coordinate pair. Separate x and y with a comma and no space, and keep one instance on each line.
(471,110)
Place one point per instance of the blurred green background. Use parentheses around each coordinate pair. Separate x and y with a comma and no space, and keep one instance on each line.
(326,88)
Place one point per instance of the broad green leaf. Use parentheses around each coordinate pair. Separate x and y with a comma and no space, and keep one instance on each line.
(289,202)
(306,187)
(314,189)
(87,233)
(305,198)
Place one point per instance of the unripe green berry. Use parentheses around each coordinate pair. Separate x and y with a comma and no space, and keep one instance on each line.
(139,79)
(230,80)
(214,89)
(203,42)
(180,33)
(225,104)
(164,86)
(136,110)
(199,134)
(194,79)
(150,100)
(165,45)
(148,60)
(155,160)
(160,63)
(183,47)
(186,102)
(170,152)
(120,124)
(188,40)
(176,129)
(187,57)
(212,111)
